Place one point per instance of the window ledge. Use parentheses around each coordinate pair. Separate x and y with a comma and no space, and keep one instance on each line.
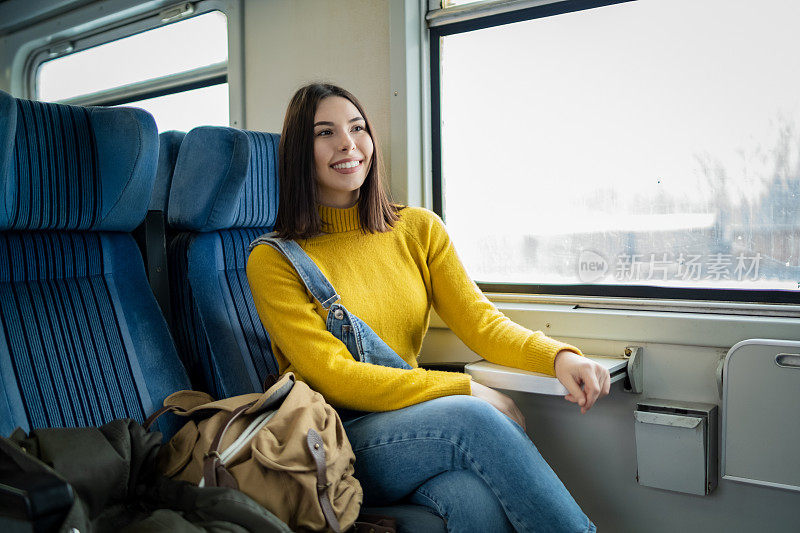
(649,304)
(564,319)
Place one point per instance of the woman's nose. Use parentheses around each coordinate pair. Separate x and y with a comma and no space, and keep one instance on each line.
(348,144)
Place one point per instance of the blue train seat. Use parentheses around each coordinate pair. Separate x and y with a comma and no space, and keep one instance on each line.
(224,194)
(82,341)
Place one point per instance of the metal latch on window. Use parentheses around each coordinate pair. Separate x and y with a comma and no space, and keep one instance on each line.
(634,379)
(175,12)
(61,49)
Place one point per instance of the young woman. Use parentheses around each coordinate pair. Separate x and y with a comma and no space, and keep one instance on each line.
(431,438)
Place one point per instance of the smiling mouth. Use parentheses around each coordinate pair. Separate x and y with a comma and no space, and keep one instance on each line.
(348,164)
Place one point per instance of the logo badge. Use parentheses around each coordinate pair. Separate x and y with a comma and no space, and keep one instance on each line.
(591,266)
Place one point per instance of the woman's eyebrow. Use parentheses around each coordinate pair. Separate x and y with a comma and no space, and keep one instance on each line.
(326,123)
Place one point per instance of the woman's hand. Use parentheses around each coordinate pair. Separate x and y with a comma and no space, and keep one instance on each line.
(500,401)
(585,380)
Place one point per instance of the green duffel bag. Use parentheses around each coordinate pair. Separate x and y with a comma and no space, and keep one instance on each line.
(111,485)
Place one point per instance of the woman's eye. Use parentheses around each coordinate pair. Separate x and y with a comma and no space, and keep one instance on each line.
(323,133)
(358,128)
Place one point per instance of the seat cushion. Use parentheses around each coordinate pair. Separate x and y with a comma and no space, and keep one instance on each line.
(81,338)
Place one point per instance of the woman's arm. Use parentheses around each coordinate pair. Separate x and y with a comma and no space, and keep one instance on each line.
(492,335)
(289,316)
(474,319)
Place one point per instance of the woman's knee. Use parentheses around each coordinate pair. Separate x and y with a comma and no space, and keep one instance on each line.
(475,413)
(448,413)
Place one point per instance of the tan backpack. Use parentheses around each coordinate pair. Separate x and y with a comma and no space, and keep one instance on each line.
(286,448)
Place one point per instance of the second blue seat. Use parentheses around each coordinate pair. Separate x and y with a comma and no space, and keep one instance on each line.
(224,194)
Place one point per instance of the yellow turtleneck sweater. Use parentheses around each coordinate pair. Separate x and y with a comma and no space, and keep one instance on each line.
(389,280)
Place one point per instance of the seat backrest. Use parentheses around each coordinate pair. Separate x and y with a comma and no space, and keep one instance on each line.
(224,194)
(169,143)
(82,340)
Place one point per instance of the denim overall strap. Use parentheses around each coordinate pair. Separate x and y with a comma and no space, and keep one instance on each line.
(363,344)
(361,341)
(312,277)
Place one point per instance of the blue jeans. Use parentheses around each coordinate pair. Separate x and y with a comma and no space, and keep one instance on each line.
(465,460)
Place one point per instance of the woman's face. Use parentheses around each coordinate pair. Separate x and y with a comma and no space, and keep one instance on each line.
(342,151)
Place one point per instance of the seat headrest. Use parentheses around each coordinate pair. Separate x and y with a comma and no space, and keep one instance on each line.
(74,168)
(225,178)
(169,143)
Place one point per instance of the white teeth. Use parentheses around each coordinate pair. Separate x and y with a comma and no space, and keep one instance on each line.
(349,164)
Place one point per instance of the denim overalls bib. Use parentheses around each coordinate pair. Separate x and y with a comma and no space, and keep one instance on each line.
(363,344)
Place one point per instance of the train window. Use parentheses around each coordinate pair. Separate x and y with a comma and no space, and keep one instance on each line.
(177,72)
(185,110)
(641,148)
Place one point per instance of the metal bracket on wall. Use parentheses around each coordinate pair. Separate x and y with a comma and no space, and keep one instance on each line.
(635,380)
(718,374)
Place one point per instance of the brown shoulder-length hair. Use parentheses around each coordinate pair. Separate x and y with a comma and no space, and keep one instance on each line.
(297,206)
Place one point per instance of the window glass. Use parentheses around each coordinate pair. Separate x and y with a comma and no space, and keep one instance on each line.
(183,111)
(172,49)
(645,143)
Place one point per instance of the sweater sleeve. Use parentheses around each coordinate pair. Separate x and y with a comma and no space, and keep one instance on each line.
(474,319)
(288,313)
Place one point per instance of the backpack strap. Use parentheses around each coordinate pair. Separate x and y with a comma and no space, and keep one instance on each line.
(153,417)
(312,277)
(317,449)
(215,474)
(181,408)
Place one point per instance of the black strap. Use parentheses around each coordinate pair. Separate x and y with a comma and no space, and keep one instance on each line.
(373,523)
(155,242)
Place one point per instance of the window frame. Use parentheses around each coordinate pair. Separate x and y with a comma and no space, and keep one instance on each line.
(230,72)
(461,19)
